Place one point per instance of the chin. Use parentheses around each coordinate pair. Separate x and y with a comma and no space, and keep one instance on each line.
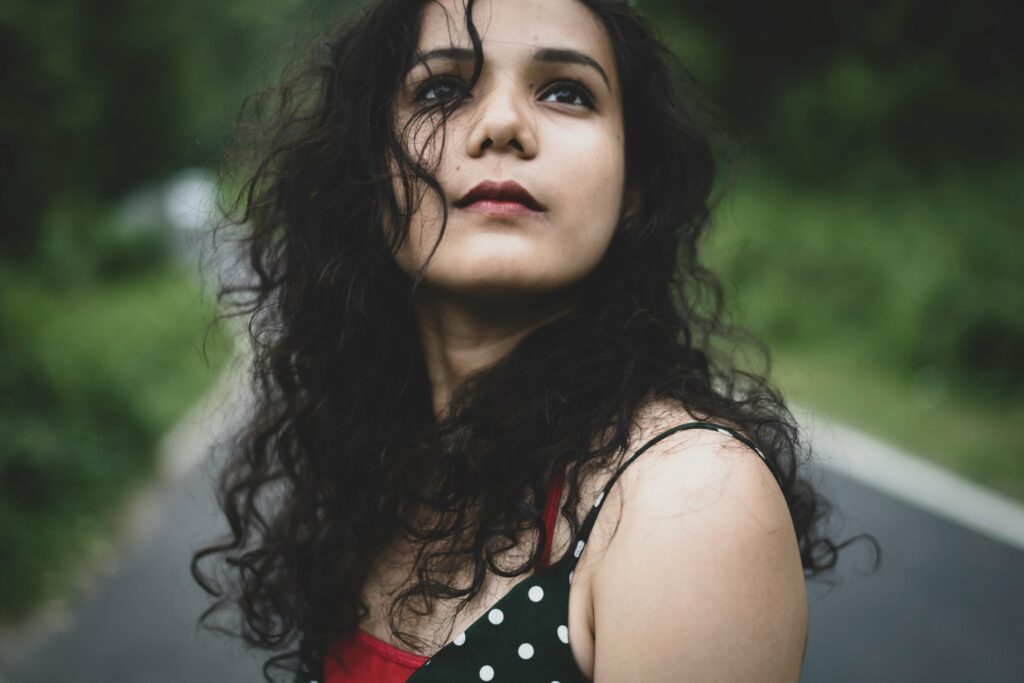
(492,288)
(496,284)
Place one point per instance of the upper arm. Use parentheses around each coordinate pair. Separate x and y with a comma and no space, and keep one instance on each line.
(702,579)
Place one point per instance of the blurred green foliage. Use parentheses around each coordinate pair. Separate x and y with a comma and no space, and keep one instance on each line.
(894,303)
(103,97)
(101,327)
(821,89)
(912,273)
(98,374)
(873,232)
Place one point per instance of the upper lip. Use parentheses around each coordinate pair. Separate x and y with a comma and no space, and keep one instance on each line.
(508,190)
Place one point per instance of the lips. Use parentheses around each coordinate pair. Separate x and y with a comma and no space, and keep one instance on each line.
(507,191)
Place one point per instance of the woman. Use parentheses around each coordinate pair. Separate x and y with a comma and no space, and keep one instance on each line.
(478,304)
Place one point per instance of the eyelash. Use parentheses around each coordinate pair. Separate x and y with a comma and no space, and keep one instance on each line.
(580,90)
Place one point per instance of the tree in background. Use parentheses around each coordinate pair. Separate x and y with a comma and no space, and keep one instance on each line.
(100,98)
(100,332)
(825,87)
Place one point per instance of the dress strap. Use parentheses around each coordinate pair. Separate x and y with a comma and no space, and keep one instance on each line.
(591,518)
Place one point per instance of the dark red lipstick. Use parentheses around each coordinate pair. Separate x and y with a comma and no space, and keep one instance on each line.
(495,194)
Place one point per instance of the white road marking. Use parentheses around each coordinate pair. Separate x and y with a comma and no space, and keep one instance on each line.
(906,477)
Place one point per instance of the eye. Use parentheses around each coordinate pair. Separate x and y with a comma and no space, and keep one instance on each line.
(571,92)
(438,88)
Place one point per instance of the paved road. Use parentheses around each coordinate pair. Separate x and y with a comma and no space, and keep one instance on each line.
(139,626)
(947,604)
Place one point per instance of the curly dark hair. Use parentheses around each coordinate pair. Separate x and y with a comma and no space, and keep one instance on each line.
(343,450)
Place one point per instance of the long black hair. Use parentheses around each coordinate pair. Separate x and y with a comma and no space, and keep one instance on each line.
(336,457)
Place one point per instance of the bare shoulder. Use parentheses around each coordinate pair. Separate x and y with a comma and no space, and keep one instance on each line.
(700,565)
(695,467)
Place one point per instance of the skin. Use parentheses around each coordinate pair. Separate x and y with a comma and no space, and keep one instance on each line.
(693,571)
(493,279)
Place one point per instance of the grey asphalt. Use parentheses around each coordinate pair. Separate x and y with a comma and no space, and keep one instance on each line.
(139,625)
(946,604)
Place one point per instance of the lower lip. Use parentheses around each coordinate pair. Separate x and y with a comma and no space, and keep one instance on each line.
(499,208)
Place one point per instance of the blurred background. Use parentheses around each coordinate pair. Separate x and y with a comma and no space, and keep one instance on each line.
(868,235)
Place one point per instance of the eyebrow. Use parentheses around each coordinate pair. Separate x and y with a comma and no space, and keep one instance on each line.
(549,55)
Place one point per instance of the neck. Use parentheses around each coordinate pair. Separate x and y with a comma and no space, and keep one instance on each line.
(461,336)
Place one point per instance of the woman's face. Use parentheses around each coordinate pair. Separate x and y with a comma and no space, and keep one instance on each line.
(546,113)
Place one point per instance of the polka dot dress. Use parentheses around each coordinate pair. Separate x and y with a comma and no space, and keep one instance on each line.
(524,637)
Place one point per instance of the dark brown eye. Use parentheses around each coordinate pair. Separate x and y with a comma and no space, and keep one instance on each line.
(438,88)
(571,92)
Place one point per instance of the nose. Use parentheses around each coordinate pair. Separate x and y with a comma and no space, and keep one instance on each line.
(504,121)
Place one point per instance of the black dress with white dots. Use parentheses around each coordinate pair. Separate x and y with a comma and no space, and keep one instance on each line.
(524,637)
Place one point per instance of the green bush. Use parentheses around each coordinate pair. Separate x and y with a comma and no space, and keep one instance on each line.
(93,374)
(908,273)
(895,303)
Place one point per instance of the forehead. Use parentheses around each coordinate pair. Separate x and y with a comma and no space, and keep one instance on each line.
(510,29)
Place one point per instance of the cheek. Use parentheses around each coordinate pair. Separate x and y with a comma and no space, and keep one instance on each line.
(593,197)
(424,206)
(424,229)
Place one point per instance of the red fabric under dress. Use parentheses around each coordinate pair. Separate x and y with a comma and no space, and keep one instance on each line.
(368,658)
